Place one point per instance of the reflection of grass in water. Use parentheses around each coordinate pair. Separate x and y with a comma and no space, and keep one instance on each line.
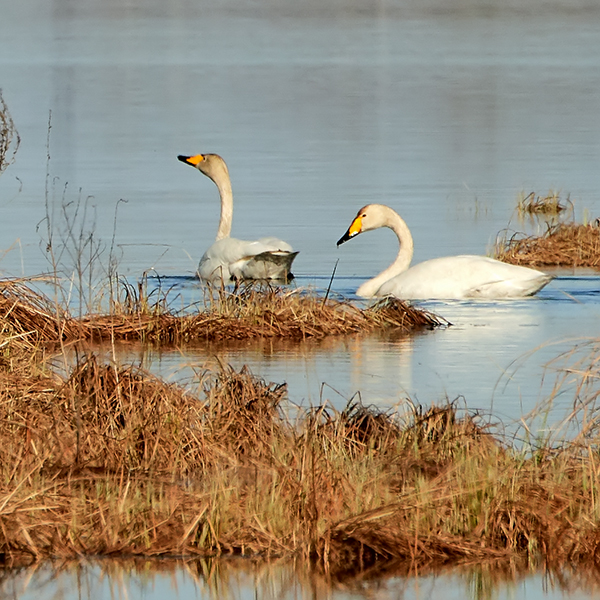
(273,579)
(111,460)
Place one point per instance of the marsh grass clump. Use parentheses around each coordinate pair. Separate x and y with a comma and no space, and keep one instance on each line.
(109,459)
(29,319)
(107,454)
(100,420)
(357,429)
(243,412)
(562,245)
(256,311)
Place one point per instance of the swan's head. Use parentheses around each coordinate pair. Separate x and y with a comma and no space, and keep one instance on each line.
(212,165)
(368,217)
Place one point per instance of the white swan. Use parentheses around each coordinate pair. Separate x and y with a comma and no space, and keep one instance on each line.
(450,277)
(229,258)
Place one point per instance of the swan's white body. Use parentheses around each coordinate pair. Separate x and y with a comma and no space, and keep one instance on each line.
(447,278)
(229,258)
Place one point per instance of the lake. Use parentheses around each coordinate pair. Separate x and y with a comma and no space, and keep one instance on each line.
(445,111)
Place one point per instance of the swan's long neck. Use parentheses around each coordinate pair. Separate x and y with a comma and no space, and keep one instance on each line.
(224,186)
(402,262)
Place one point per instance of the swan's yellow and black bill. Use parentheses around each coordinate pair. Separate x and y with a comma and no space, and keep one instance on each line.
(191,160)
(353,230)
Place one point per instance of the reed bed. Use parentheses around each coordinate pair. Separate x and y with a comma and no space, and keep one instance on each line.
(252,312)
(562,245)
(113,461)
(248,313)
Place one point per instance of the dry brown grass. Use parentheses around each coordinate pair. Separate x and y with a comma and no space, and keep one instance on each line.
(31,318)
(253,312)
(562,245)
(112,461)
(564,242)
(248,313)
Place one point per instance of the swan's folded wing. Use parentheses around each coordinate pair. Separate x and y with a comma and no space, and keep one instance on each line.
(274,265)
(464,276)
(510,288)
(230,258)
(267,258)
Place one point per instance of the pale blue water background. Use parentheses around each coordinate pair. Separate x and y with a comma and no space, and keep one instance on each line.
(445,111)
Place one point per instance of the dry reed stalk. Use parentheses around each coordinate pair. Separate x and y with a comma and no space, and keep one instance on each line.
(563,244)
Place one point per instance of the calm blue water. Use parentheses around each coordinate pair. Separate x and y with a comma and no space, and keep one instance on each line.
(447,112)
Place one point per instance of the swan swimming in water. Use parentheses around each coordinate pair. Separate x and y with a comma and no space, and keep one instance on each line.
(231,259)
(447,278)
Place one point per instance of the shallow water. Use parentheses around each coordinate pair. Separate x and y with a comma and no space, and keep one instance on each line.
(109,579)
(444,112)
(499,357)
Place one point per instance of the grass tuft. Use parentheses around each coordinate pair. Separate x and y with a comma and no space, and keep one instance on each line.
(562,245)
